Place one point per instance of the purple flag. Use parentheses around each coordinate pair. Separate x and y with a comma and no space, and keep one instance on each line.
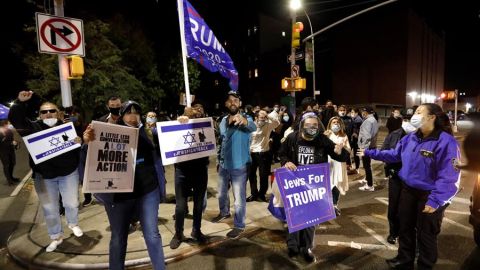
(306,195)
(203,46)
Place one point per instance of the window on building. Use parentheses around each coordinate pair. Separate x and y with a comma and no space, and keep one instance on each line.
(255,29)
(283,33)
(249,74)
(248,32)
(216,82)
(256,73)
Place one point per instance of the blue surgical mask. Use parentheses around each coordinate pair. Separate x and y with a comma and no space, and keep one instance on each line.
(151,120)
(416,120)
(335,128)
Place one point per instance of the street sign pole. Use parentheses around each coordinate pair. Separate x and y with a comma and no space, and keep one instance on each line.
(65,86)
(292,57)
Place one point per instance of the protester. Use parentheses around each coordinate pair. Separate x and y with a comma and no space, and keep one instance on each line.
(338,170)
(113,105)
(7,152)
(54,176)
(394,181)
(356,124)
(430,176)
(261,154)
(234,156)
(143,200)
(191,177)
(394,121)
(303,147)
(367,139)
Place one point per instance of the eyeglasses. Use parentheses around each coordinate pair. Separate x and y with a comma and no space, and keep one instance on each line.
(48,111)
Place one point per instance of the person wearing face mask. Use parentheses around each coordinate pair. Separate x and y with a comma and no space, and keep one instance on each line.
(233,159)
(304,147)
(348,123)
(142,202)
(356,124)
(394,182)
(191,178)
(113,105)
(367,139)
(430,177)
(58,175)
(261,154)
(338,170)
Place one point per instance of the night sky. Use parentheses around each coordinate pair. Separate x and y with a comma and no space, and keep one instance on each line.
(459,19)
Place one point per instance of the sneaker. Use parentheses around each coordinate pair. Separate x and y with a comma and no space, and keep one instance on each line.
(235,233)
(76,230)
(337,210)
(362,181)
(87,202)
(198,236)
(366,187)
(251,198)
(220,218)
(177,239)
(133,226)
(309,256)
(392,239)
(54,244)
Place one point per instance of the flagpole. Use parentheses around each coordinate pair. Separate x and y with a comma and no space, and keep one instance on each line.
(181,20)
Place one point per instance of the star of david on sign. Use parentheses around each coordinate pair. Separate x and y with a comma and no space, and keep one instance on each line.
(189,138)
(54,141)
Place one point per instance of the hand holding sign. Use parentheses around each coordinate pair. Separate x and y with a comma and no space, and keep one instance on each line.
(289,165)
(89,134)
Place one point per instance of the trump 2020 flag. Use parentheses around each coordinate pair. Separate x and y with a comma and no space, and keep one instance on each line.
(203,46)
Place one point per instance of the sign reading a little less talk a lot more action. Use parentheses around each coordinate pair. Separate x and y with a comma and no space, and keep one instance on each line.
(111,159)
(52,142)
(181,142)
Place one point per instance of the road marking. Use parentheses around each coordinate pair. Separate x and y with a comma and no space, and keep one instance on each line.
(384,200)
(458,224)
(355,245)
(333,225)
(357,220)
(461,200)
(20,185)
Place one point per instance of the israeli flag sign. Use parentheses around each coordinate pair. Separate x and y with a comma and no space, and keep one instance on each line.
(181,142)
(52,142)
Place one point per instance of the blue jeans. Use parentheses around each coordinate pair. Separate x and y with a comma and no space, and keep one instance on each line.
(48,191)
(120,214)
(238,180)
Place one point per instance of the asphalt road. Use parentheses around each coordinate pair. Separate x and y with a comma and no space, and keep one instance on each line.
(355,240)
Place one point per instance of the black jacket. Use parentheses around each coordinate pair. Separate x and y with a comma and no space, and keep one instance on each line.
(324,147)
(390,142)
(61,165)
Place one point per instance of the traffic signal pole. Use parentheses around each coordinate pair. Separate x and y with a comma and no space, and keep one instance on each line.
(292,54)
(65,86)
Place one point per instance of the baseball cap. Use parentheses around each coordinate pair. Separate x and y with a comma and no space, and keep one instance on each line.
(234,94)
(368,109)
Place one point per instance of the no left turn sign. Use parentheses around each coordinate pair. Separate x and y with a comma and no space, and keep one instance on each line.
(59,35)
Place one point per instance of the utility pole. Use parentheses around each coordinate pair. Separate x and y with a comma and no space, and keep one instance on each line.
(65,86)
(292,54)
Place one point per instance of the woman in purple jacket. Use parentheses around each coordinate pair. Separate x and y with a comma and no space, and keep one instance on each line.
(430,177)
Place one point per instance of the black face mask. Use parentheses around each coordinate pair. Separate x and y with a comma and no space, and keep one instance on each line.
(114,111)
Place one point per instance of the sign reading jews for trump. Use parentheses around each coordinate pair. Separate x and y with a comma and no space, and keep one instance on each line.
(306,195)
(111,159)
(52,142)
(182,142)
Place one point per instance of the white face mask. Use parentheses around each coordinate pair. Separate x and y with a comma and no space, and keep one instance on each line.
(416,120)
(286,118)
(50,121)
(408,127)
(335,128)
(342,113)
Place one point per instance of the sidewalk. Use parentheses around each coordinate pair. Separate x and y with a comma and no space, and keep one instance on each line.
(27,244)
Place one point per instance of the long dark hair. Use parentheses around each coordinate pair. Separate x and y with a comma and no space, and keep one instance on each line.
(441,120)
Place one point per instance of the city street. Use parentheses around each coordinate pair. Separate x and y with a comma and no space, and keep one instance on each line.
(354,240)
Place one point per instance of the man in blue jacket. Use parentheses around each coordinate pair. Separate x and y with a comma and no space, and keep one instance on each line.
(235,129)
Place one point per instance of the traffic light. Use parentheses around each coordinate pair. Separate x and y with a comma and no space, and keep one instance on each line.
(288,84)
(300,83)
(296,29)
(75,66)
(447,95)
